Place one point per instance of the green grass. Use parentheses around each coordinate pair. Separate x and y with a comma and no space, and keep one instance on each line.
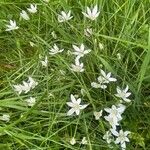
(122,27)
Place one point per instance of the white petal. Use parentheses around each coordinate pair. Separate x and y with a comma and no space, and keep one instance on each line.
(70,112)
(77,111)
(73,99)
(94,10)
(83,106)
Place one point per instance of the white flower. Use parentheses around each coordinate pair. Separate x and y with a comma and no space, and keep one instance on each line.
(73,141)
(88,32)
(80,51)
(108,137)
(121,137)
(45,62)
(115,112)
(64,16)
(102,80)
(98,114)
(26,87)
(32,9)
(75,106)
(84,141)
(106,78)
(98,85)
(92,13)
(18,88)
(78,67)
(5,117)
(24,15)
(12,26)
(31,101)
(113,121)
(54,50)
(32,83)
(123,94)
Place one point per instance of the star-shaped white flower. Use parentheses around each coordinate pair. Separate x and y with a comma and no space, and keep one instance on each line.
(31,101)
(108,137)
(92,13)
(80,51)
(73,141)
(115,112)
(98,85)
(106,78)
(113,121)
(5,117)
(98,114)
(24,15)
(75,106)
(18,88)
(12,26)
(26,87)
(84,141)
(121,137)
(32,8)
(32,83)
(123,94)
(55,49)
(77,67)
(44,62)
(64,16)
(103,79)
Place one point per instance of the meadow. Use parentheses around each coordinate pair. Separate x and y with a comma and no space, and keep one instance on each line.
(74,75)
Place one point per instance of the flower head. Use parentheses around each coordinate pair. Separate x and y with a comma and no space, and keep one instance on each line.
(31,101)
(115,112)
(5,117)
(32,83)
(55,49)
(113,121)
(77,67)
(75,106)
(92,13)
(64,16)
(84,141)
(98,114)
(108,137)
(103,79)
(121,137)
(73,141)
(12,26)
(24,15)
(80,51)
(25,86)
(32,9)
(44,62)
(106,78)
(123,94)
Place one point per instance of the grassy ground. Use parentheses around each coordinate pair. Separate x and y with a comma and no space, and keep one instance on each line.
(122,27)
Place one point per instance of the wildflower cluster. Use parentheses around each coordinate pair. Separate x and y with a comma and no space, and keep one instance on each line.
(26,87)
(24,15)
(114,113)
